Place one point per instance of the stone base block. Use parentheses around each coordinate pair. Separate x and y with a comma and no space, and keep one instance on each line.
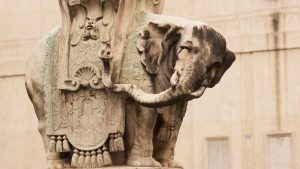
(126,167)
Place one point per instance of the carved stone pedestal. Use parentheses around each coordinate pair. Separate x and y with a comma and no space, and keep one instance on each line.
(126,167)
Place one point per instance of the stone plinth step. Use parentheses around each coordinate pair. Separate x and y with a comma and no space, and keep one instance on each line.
(126,167)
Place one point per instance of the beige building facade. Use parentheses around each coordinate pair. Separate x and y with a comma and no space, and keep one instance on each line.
(250,120)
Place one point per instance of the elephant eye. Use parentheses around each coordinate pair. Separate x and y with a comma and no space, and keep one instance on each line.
(188,47)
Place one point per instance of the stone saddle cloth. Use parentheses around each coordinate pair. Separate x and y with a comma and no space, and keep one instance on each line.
(88,117)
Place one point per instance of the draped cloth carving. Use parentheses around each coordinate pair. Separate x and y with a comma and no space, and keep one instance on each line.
(78,107)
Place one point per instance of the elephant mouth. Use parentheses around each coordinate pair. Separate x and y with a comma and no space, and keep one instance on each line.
(186,86)
(186,93)
(197,94)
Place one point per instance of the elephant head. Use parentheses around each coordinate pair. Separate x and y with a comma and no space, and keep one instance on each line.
(200,59)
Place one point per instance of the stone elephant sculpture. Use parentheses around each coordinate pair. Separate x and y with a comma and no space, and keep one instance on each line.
(177,60)
(186,60)
(165,63)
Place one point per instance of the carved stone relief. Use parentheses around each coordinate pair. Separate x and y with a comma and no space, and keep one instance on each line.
(91,23)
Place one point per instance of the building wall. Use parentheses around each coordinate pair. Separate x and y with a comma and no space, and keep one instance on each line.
(22,24)
(249,121)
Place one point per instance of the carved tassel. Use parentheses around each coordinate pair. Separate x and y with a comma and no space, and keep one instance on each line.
(52,144)
(173,135)
(119,142)
(100,161)
(66,146)
(173,132)
(106,157)
(112,146)
(87,161)
(81,159)
(93,160)
(163,134)
(59,146)
(75,158)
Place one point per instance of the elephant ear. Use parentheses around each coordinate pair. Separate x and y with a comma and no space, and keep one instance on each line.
(222,68)
(153,45)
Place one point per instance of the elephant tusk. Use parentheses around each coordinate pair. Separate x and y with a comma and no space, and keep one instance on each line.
(197,94)
(174,79)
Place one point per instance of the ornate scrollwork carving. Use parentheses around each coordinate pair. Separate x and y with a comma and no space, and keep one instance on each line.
(87,22)
(92,20)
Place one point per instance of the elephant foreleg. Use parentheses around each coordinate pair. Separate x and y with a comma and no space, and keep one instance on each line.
(167,127)
(141,153)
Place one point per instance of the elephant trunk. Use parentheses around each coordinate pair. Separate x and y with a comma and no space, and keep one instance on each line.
(165,98)
(162,99)
(186,84)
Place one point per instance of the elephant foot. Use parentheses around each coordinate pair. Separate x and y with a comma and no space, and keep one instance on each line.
(170,164)
(54,161)
(143,162)
(55,164)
